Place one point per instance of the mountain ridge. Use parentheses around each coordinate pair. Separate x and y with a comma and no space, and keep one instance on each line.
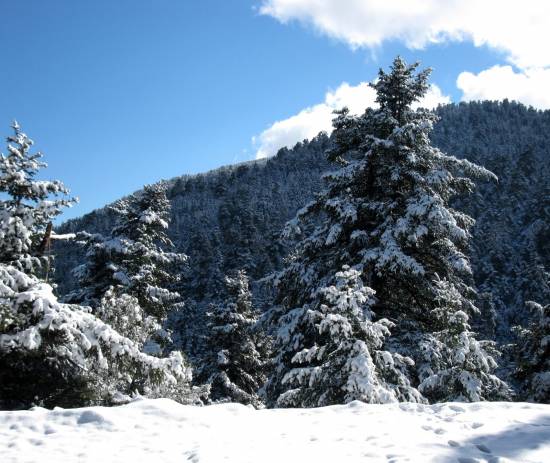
(230,218)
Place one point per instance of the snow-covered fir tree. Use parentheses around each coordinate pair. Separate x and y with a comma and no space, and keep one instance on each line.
(377,289)
(149,270)
(27,205)
(55,354)
(60,354)
(336,350)
(533,362)
(238,363)
(134,257)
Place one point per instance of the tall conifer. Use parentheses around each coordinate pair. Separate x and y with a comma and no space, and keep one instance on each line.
(375,301)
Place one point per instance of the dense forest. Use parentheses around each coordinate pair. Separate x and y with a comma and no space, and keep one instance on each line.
(217,279)
(232,218)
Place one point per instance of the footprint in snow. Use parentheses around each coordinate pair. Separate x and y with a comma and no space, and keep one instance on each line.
(395,458)
(483,448)
(477,425)
(192,456)
(36,441)
(457,408)
(91,417)
(453,443)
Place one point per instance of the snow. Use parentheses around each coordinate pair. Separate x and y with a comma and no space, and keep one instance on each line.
(162,430)
(63,237)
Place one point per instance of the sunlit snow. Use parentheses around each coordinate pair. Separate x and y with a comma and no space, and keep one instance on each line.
(164,431)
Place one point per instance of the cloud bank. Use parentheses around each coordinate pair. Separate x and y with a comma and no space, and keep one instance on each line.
(499,82)
(518,28)
(310,121)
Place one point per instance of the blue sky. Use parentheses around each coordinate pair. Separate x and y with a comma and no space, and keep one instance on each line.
(119,93)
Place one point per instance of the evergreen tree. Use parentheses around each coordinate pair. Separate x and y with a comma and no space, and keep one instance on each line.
(238,360)
(533,355)
(99,272)
(53,353)
(133,259)
(27,205)
(342,356)
(151,270)
(377,287)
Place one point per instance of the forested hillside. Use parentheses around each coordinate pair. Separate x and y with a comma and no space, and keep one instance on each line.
(511,245)
(231,218)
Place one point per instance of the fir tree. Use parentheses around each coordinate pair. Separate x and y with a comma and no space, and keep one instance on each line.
(382,265)
(238,361)
(54,354)
(533,355)
(101,270)
(152,271)
(133,259)
(61,354)
(27,205)
(129,276)
(347,360)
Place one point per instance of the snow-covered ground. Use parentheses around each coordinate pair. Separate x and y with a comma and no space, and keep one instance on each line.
(164,431)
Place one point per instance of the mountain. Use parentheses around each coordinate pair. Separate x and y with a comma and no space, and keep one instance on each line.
(231,218)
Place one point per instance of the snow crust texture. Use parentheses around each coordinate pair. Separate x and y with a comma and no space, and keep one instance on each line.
(162,430)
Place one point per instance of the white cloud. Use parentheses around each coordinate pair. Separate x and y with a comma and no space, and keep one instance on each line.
(310,121)
(520,29)
(529,87)
(433,98)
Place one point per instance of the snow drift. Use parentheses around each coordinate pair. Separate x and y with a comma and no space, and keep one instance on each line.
(162,430)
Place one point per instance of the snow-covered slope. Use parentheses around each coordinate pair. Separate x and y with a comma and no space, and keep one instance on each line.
(164,431)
